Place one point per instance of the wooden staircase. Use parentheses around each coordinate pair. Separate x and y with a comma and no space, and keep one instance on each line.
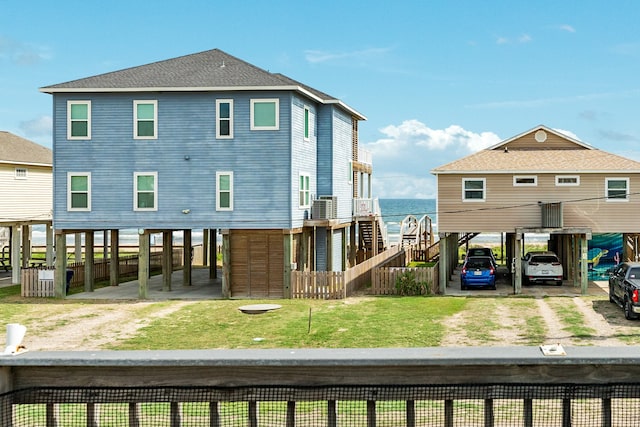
(434,250)
(366,235)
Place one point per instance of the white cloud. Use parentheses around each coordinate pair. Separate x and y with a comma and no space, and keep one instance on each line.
(567,28)
(41,126)
(413,135)
(524,38)
(22,53)
(317,56)
(405,155)
(568,133)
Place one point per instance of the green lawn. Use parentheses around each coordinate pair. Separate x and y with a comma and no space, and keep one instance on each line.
(362,322)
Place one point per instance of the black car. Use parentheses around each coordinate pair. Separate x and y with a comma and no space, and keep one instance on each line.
(624,288)
(482,252)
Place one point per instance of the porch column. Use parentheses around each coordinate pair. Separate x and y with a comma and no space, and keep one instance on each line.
(15,255)
(213,254)
(26,246)
(584,261)
(78,247)
(49,257)
(143,263)
(443,264)
(205,247)
(167,259)
(60,275)
(517,277)
(352,245)
(186,268)
(226,265)
(114,261)
(89,260)
(288,260)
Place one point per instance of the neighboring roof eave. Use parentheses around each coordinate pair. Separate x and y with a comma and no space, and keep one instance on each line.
(9,162)
(533,171)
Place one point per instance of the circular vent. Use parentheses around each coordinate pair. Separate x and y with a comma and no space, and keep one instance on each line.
(541,136)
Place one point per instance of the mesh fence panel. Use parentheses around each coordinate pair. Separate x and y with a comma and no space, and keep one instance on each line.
(433,405)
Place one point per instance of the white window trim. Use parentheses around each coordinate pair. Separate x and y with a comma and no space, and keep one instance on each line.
(155,118)
(484,190)
(218,175)
(264,100)
(306,117)
(21,173)
(69,193)
(567,184)
(606,189)
(307,191)
(525,184)
(218,118)
(77,102)
(135,191)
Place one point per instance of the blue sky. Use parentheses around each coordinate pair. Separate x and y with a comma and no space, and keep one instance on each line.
(437,80)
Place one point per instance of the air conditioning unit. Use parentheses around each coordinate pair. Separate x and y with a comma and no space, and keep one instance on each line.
(334,200)
(322,209)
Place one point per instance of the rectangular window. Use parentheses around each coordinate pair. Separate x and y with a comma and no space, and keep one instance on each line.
(224,117)
(265,114)
(525,181)
(78,191)
(617,189)
(145,191)
(473,190)
(306,123)
(567,180)
(78,119)
(304,199)
(145,119)
(224,187)
(20,173)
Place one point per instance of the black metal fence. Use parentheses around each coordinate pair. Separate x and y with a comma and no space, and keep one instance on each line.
(400,405)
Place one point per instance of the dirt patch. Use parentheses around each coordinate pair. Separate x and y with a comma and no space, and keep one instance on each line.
(92,327)
(495,322)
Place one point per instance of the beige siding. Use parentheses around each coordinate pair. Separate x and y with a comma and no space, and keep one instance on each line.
(553,142)
(508,207)
(25,199)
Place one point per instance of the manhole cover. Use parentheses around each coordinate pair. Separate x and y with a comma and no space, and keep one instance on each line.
(258,308)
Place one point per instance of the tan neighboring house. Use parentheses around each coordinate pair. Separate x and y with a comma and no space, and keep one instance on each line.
(26,197)
(540,181)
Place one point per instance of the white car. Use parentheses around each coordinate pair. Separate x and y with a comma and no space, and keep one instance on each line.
(540,267)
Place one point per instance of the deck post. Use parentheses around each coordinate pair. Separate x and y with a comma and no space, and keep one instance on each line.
(443,264)
(143,263)
(89,261)
(60,276)
(114,262)
(213,253)
(167,259)
(226,265)
(517,264)
(584,261)
(288,261)
(187,253)
(15,255)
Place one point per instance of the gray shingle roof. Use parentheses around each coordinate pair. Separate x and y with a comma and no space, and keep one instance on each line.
(14,149)
(208,70)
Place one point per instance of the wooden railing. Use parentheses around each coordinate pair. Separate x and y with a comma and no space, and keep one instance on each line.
(589,386)
(36,282)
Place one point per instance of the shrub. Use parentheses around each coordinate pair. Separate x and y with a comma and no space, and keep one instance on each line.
(406,284)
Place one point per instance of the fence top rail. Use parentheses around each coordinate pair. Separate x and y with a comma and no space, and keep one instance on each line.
(344,357)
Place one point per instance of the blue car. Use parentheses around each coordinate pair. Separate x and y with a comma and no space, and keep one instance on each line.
(478,271)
